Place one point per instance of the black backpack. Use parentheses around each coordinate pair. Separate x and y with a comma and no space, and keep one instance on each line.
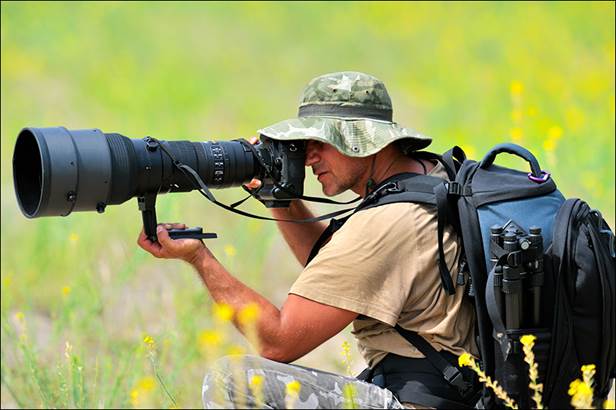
(534,263)
(553,261)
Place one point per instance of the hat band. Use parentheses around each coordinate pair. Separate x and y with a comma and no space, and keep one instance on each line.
(316,110)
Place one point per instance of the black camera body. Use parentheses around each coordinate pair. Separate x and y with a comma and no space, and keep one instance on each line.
(284,180)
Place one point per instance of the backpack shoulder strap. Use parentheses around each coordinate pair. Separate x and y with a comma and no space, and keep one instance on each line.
(452,160)
(406,187)
(422,189)
(334,225)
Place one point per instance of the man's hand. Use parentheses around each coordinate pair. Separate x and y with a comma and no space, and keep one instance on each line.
(189,250)
(254,183)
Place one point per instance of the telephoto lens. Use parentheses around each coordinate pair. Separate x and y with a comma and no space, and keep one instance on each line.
(57,171)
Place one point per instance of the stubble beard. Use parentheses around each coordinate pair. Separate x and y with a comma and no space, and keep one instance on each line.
(337,186)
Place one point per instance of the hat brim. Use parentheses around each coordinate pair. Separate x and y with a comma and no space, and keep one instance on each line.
(354,137)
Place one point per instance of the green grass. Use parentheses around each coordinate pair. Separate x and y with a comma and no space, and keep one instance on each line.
(472,74)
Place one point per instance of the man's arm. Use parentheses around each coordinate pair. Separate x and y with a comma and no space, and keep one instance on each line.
(300,237)
(282,335)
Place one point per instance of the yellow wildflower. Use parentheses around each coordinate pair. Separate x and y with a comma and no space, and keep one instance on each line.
(73,237)
(235,350)
(466,359)
(230,250)
(223,312)
(349,393)
(249,314)
(293,388)
(292,393)
(528,342)
(555,132)
(134,397)
(146,384)
(66,290)
(346,354)
(516,134)
(581,394)
(140,392)
(6,281)
(19,316)
(346,348)
(256,381)
(256,386)
(549,145)
(516,88)
(469,150)
(210,338)
(148,341)
(588,372)
(573,387)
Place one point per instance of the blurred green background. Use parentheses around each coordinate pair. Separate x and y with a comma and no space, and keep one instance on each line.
(79,296)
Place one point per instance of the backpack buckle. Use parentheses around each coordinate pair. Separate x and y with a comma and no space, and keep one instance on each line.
(456,188)
(454,377)
(545,175)
(389,188)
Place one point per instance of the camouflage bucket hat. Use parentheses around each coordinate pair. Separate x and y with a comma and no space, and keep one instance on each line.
(349,110)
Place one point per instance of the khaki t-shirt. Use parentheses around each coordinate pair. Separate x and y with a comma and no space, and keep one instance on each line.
(383,265)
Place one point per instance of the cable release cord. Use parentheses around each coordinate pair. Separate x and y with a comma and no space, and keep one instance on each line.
(202,188)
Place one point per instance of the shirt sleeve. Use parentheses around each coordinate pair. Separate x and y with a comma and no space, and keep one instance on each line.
(364,267)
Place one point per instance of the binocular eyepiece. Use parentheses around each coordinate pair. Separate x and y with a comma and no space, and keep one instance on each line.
(57,171)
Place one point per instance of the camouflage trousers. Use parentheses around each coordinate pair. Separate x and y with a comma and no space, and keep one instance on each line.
(255,382)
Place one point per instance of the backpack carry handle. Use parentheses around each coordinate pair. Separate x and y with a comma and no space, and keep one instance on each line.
(514,149)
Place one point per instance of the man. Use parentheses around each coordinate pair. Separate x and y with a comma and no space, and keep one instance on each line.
(378,270)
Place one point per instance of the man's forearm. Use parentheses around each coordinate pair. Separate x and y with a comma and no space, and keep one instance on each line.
(300,237)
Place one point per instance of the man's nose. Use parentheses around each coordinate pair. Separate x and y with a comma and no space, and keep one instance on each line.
(312,154)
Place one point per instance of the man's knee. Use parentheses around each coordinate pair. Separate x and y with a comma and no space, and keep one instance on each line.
(221,379)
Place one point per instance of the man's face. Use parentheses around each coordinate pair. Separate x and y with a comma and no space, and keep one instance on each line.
(335,171)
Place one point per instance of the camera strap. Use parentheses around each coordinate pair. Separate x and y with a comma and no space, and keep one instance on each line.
(193,176)
(203,189)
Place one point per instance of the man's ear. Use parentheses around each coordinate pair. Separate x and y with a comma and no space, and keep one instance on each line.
(405,145)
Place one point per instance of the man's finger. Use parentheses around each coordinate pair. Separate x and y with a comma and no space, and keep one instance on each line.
(253,140)
(146,244)
(174,226)
(163,236)
(254,183)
